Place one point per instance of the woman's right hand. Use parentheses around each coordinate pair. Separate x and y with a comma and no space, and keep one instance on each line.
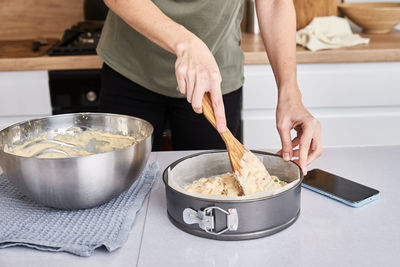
(197,72)
(195,67)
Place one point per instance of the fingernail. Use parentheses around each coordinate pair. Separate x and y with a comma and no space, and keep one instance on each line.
(221,128)
(286,156)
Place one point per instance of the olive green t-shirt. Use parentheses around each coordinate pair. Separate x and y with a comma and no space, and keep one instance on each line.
(216,22)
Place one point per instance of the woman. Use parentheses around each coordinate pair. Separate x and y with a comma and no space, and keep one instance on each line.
(161,56)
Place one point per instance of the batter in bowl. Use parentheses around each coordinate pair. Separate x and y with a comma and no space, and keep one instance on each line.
(75,142)
(224,184)
(253,178)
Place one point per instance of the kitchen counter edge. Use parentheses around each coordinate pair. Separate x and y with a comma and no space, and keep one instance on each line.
(382,48)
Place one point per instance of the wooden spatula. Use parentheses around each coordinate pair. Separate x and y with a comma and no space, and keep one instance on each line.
(234,147)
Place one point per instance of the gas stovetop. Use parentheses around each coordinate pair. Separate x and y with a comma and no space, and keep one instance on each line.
(81,39)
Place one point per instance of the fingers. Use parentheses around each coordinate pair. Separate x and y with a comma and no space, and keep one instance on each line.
(312,155)
(310,143)
(191,78)
(217,102)
(314,151)
(196,73)
(185,77)
(207,81)
(286,140)
(295,142)
(180,73)
(304,146)
(316,145)
(199,88)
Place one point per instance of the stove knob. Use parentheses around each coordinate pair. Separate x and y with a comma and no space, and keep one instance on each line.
(91,96)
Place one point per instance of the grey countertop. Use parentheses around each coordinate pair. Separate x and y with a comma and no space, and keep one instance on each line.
(327,232)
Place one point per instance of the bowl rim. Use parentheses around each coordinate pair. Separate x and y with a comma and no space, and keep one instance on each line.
(173,164)
(72,115)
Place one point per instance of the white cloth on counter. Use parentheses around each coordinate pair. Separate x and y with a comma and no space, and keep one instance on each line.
(328,32)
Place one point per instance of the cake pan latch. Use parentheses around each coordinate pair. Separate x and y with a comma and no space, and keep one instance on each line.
(206,219)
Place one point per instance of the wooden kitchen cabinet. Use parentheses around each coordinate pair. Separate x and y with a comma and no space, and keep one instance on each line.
(357,103)
(23,95)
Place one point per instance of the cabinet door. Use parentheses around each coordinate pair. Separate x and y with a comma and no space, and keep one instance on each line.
(357,103)
(352,127)
(24,93)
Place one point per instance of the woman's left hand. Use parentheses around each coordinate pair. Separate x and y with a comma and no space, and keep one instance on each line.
(292,114)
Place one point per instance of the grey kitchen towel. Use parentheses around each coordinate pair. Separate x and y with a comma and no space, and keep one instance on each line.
(24,222)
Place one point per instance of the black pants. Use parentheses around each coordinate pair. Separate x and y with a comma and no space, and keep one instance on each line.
(189,130)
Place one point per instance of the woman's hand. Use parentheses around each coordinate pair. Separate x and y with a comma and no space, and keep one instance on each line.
(277,21)
(197,72)
(291,114)
(195,67)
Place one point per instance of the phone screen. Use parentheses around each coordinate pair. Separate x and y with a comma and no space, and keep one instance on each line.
(338,186)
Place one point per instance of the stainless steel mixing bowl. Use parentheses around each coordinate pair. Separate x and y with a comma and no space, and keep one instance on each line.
(78,182)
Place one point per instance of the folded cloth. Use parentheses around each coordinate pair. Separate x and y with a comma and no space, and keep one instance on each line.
(328,32)
(24,222)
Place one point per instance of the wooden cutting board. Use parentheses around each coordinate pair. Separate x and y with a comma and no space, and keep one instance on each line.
(306,10)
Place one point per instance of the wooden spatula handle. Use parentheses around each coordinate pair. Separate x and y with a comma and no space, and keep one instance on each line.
(234,147)
(208,110)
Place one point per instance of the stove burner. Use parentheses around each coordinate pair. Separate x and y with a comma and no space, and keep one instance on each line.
(81,39)
(86,38)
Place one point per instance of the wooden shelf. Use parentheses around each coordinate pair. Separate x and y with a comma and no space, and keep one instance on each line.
(18,56)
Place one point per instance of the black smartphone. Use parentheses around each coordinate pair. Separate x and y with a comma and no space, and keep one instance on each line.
(339,188)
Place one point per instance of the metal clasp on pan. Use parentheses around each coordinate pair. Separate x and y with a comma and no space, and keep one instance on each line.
(205,219)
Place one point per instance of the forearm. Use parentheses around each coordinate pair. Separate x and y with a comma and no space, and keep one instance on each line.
(196,70)
(277,20)
(146,18)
